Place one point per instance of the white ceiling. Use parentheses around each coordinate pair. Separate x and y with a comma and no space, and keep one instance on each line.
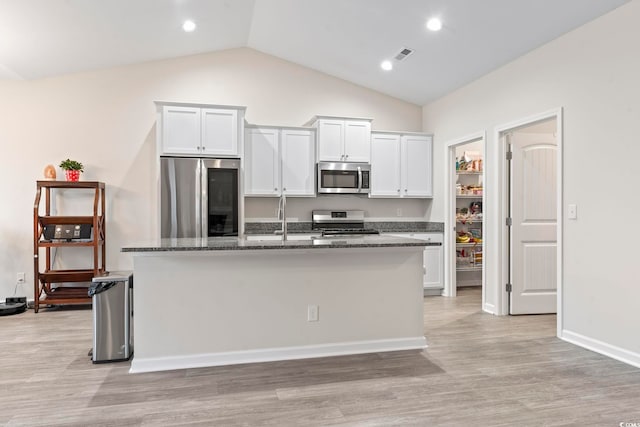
(343,38)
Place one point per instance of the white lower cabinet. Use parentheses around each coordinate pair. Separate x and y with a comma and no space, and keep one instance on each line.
(433,258)
(279,161)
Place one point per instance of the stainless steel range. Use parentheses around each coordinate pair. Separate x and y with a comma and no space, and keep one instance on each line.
(340,223)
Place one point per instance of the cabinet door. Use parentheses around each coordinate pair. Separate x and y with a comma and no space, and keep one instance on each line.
(385,165)
(416,166)
(180,130)
(219,132)
(298,162)
(262,163)
(357,141)
(433,258)
(330,140)
(433,261)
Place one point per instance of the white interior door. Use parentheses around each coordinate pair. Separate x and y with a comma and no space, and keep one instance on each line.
(534,167)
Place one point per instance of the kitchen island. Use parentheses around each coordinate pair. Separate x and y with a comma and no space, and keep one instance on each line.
(221,301)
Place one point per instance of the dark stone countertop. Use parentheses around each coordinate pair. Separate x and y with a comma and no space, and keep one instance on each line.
(235,243)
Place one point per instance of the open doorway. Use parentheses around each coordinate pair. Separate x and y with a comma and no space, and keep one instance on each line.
(464,219)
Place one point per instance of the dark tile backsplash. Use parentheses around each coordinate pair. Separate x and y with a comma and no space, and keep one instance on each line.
(383,226)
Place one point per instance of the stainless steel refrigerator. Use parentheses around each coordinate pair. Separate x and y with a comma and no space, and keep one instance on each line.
(199,197)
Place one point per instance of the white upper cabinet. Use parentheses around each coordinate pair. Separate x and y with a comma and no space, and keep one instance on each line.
(357,141)
(199,130)
(330,140)
(298,162)
(219,132)
(385,165)
(401,165)
(279,160)
(262,162)
(417,166)
(181,130)
(343,140)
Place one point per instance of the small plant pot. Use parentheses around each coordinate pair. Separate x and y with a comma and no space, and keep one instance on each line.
(72,175)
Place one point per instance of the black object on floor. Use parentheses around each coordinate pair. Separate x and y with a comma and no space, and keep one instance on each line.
(13,305)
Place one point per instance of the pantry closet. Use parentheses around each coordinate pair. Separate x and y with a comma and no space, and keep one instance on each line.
(469,213)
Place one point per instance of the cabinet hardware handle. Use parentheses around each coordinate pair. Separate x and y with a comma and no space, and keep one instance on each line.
(346,157)
(284,189)
(275,189)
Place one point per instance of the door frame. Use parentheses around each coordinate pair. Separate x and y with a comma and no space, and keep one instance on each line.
(500,204)
(450,212)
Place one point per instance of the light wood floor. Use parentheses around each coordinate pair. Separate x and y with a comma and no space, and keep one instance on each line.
(479,370)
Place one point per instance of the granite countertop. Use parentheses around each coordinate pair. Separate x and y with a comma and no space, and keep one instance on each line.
(235,243)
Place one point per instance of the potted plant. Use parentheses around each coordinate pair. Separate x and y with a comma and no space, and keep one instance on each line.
(72,169)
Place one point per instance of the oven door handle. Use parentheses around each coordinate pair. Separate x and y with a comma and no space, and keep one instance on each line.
(359,179)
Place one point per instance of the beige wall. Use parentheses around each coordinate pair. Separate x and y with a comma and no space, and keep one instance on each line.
(106,120)
(593,74)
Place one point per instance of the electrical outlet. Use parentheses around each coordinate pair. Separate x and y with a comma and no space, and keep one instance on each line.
(399,212)
(312,313)
(21,278)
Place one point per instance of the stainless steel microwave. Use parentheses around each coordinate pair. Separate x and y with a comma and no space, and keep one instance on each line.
(344,178)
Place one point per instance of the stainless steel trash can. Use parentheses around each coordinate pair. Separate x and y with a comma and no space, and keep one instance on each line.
(112,297)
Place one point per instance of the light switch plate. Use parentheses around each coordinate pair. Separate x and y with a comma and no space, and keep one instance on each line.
(572,212)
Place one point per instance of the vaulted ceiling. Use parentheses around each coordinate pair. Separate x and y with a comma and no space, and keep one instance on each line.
(344,38)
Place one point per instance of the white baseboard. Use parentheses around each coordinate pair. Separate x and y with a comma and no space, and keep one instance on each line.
(609,350)
(489,308)
(273,354)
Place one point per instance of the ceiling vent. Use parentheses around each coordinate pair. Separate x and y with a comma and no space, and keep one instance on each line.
(403,54)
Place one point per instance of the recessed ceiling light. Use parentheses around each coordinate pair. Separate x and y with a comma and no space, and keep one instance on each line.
(434,24)
(386,65)
(189,26)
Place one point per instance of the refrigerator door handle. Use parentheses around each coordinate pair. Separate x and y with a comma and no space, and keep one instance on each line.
(173,231)
(202,200)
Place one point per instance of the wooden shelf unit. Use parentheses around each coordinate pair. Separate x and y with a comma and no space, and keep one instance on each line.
(44,283)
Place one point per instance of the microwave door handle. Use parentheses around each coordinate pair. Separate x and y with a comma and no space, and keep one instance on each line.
(359,179)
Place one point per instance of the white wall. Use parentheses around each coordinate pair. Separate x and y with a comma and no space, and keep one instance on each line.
(106,120)
(593,74)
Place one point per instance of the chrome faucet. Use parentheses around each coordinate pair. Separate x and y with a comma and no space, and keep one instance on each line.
(282,215)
